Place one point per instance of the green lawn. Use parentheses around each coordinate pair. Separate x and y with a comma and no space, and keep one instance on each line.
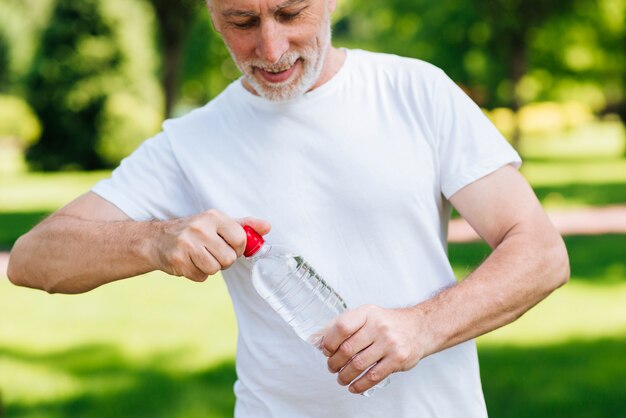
(157,346)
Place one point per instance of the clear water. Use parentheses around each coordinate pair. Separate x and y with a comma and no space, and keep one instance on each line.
(300,296)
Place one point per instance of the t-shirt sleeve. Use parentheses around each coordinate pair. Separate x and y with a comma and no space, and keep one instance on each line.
(469,145)
(149,184)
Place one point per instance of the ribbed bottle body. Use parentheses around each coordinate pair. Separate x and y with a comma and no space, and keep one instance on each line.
(296,292)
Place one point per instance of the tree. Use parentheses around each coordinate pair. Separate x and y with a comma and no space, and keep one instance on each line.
(513,23)
(4,62)
(91,52)
(175,20)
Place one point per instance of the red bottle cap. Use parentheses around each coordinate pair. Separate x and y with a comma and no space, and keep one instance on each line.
(254,241)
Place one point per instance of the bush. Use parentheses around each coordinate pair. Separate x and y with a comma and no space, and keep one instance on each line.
(17,121)
(91,51)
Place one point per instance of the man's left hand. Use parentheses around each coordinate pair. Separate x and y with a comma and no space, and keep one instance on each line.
(390,339)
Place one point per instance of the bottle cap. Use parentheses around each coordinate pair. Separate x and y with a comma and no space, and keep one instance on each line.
(254,241)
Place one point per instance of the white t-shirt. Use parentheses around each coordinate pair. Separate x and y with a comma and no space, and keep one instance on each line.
(355,176)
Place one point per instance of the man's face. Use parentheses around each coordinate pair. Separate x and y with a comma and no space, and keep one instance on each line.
(279,45)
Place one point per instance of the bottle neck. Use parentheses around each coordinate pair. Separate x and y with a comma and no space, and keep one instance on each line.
(262,252)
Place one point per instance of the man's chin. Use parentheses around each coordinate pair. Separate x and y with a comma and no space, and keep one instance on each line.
(276,92)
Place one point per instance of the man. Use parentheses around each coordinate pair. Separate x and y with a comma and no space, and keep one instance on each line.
(356,159)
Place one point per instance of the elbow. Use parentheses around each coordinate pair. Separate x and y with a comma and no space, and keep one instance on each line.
(20,268)
(15,271)
(13,275)
(19,277)
(559,267)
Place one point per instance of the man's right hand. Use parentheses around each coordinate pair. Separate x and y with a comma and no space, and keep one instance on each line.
(201,245)
(91,242)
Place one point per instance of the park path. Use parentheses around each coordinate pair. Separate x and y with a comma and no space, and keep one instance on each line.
(593,221)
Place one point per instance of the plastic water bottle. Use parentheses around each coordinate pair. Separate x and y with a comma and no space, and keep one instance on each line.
(295,291)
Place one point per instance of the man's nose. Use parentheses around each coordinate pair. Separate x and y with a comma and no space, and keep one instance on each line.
(272,42)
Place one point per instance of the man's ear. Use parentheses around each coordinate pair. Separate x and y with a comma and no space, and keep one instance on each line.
(212,13)
(332,5)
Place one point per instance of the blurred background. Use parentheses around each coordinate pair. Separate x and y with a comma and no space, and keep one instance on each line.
(83,82)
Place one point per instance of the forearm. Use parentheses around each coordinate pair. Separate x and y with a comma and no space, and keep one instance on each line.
(520,272)
(73,255)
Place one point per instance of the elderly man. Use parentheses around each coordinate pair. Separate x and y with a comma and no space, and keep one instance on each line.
(356,159)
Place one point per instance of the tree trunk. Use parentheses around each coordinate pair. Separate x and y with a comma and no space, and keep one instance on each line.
(174,19)
(172,62)
(517,69)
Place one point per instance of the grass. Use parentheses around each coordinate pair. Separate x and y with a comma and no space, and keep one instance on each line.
(153,346)
(157,346)
(27,198)
(576,378)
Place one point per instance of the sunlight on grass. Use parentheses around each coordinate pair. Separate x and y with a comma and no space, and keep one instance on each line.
(599,139)
(44,191)
(158,321)
(553,173)
(580,310)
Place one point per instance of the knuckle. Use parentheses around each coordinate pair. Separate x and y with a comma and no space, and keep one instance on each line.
(183,241)
(199,277)
(374,375)
(345,349)
(400,355)
(359,363)
(342,380)
(195,226)
(229,260)
(342,328)
(239,238)
(213,268)
(213,213)
(176,261)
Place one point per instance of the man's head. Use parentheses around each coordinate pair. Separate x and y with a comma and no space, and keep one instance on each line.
(281,46)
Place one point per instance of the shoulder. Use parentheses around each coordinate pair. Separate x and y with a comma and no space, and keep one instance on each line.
(394,65)
(405,79)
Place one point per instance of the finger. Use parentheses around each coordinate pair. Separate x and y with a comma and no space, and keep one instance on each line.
(259,225)
(341,329)
(204,261)
(220,251)
(234,236)
(350,347)
(195,273)
(360,362)
(373,376)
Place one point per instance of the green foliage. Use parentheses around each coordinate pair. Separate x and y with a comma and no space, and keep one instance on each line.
(17,121)
(90,51)
(206,67)
(21,22)
(174,19)
(4,61)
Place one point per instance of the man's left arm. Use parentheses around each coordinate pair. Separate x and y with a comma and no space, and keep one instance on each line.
(528,262)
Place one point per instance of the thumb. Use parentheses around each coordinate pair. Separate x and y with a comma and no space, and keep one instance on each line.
(259,225)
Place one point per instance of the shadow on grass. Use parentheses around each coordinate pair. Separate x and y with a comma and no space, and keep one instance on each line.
(115,386)
(597,258)
(14,224)
(576,379)
(588,194)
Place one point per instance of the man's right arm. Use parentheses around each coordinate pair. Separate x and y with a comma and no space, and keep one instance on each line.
(91,242)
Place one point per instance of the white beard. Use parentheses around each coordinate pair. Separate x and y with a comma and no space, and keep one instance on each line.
(312,61)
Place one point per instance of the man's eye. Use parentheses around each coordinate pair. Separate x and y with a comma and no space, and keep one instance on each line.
(287,16)
(245,24)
